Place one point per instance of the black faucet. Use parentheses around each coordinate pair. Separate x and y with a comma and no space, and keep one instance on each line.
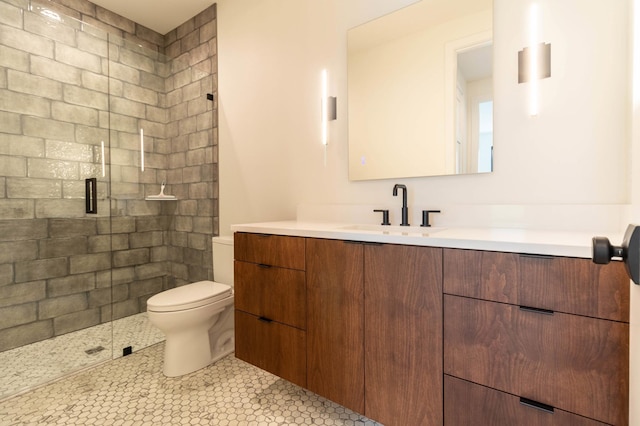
(405,210)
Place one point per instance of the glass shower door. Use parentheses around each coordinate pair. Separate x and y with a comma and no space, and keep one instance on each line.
(55,241)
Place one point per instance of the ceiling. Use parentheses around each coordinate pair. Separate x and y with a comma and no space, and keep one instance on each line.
(160,15)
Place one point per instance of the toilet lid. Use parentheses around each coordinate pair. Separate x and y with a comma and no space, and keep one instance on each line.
(188,296)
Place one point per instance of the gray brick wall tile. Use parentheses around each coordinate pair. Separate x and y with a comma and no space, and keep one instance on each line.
(115,20)
(24,104)
(22,82)
(71,284)
(128,107)
(85,97)
(27,42)
(6,274)
(196,157)
(14,58)
(47,128)
(65,228)
(52,169)
(95,81)
(203,225)
(140,94)
(63,208)
(23,335)
(145,287)
(125,73)
(130,257)
(10,15)
(18,251)
(125,124)
(122,276)
(153,82)
(199,190)
(125,309)
(99,244)
(48,28)
(33,188)
(40,269)
(16,230)
(91,135)
(136,60)
(91,43)
(143,208)
(72,56)
(76,321)
(74,114)
(183,224)
(16,209)
(55,70)
(151,270)
(146,239)
(12,166)
(89,263)
(16,294)
(58,306)
(61,247)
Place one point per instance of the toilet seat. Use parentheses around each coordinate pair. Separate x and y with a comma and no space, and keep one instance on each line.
(188,296)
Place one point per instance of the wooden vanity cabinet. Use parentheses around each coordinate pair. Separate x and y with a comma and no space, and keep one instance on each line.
(403,334)
(521,325)
(270,304)
(335,325)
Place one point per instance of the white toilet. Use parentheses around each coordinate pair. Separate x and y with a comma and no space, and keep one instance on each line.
(197,318)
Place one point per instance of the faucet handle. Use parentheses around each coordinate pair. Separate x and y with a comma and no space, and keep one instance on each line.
(425,217)
(385,216)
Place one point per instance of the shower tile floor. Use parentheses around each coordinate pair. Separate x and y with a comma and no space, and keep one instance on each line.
(31,365)
(133,391)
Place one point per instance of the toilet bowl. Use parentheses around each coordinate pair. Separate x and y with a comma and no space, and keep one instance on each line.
(197,318)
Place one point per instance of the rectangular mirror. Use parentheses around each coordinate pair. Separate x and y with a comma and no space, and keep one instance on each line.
(421,91)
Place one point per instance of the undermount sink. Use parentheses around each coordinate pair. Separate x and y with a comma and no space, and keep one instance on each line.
(417,231)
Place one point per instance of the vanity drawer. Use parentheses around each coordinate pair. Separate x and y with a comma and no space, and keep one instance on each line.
(271,346)
(569,285)
(272,250)
(278,294)
(574,363)
(469,404)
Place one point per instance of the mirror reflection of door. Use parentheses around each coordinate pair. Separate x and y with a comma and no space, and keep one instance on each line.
(474,109)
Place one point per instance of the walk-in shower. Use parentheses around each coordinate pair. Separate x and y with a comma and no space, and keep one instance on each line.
(91,123)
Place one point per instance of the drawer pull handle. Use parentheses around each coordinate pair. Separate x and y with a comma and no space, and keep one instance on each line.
(538,256)
(537,405)
(536,310)
(263,265)
(265,319)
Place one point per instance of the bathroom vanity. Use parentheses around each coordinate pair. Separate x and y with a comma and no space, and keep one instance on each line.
(457,327)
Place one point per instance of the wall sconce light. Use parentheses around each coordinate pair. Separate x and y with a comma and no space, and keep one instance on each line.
(534,62)
(142,150)
(328,106)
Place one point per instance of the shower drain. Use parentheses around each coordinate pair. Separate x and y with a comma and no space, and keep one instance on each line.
(94,350)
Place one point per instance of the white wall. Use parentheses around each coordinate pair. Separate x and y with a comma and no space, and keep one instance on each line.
(271,160)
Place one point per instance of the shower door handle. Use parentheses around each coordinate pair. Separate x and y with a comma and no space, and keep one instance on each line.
(91,195)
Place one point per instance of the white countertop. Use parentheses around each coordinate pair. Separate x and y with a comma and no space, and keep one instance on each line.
(570,244)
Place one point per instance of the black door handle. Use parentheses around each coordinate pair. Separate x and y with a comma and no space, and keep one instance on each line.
(91,195)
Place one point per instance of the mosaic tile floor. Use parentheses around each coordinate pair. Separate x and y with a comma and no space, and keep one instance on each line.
(133,391)
(31,365)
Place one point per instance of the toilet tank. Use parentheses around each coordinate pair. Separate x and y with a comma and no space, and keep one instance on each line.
(223,260)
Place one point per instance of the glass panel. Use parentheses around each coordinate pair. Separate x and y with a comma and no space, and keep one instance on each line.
(55,243)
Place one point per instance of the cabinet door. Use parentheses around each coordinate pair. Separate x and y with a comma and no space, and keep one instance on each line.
(574,363)
(272,250)
(272,346)
(274,293)
(335,329)
(403,334)
(469,404)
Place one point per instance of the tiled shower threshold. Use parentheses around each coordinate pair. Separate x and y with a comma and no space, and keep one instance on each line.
(30,366)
